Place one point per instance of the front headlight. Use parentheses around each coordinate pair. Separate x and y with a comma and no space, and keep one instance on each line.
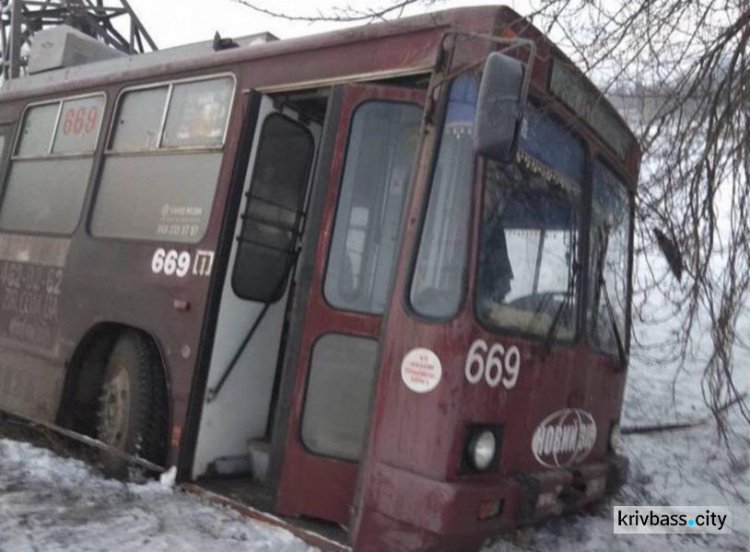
(482,448)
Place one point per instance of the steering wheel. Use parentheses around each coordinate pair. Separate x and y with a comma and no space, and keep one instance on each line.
(433,302)
(546,301)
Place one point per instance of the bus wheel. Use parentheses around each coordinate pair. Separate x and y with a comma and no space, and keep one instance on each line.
(132,411)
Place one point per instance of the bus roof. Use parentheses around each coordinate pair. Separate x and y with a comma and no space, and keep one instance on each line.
(332,47)
(202,55)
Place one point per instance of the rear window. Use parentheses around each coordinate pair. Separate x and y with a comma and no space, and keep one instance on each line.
(51,165)
(162,164)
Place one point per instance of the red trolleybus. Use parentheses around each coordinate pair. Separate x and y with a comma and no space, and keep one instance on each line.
(378,277)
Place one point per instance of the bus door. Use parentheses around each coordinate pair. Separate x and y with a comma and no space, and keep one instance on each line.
(366,161)
(236,414)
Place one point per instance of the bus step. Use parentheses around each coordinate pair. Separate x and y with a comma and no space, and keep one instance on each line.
(259,451)
(228,466)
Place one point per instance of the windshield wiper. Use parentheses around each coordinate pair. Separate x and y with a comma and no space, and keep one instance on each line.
(602,285)
(565,305)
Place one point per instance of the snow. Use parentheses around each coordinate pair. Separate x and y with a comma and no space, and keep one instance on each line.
(50,504)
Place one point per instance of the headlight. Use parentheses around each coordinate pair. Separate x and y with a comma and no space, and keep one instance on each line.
(615,438)
(482,450)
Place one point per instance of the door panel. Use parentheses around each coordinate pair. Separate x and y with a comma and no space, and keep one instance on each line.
(365,190)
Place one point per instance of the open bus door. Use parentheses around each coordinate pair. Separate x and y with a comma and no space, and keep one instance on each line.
(367,155)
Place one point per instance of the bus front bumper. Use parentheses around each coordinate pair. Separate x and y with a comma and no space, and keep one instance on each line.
(417,513)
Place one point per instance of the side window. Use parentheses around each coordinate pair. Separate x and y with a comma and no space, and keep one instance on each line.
(380,156)
(194,118)
(437,285)
(342,370)
(274,209)
(162,165)
(138,120)
(51,166)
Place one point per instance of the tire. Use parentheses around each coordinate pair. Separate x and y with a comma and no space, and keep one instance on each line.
(132,407)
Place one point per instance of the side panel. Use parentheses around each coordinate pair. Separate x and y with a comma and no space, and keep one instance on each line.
(31,278)
(63,287)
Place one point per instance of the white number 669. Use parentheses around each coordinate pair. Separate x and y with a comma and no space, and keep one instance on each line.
(170,262)
(500,366)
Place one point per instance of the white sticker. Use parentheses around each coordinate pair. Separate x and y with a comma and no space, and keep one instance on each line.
(421,370)
(564,438)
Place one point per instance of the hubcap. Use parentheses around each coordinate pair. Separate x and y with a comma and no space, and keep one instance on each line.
(114,409)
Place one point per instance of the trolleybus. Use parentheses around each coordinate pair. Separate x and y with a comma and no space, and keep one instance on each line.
(378,277)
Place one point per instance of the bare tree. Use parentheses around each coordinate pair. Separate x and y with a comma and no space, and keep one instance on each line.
(344,13)
(682,67)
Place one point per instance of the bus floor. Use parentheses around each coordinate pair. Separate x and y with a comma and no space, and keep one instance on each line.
(245,491)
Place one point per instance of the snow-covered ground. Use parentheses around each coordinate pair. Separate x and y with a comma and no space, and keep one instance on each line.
(50,504)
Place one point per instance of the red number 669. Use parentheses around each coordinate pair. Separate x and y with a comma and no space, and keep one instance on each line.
(80,120)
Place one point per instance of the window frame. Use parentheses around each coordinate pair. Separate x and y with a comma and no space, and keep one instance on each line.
(424,207)
(629,192)
(335,212)
(170,84)
(300,217)
(109,152)
(50,155)
(15,140)
(582,227)
(8,132)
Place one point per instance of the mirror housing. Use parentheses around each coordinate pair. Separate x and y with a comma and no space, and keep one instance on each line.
(500,106)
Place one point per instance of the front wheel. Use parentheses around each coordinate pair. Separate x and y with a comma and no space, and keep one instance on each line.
(132,413)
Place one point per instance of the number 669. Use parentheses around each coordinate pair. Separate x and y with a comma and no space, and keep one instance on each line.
(495,364)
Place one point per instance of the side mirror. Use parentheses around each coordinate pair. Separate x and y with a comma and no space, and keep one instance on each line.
(502,97)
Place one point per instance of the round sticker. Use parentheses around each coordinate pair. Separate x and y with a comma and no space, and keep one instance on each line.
(421,370)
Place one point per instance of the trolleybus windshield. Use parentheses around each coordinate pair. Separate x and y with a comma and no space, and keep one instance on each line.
(529,232)
(610,235)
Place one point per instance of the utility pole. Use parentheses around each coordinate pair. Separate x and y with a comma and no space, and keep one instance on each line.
(15,40)
(20,20)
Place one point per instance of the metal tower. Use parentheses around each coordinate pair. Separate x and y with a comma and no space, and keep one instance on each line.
(21,19)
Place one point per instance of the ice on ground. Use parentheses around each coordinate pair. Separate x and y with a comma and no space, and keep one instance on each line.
(50,504)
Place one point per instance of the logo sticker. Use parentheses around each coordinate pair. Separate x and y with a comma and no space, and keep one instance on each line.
(564,438)
(421,370)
